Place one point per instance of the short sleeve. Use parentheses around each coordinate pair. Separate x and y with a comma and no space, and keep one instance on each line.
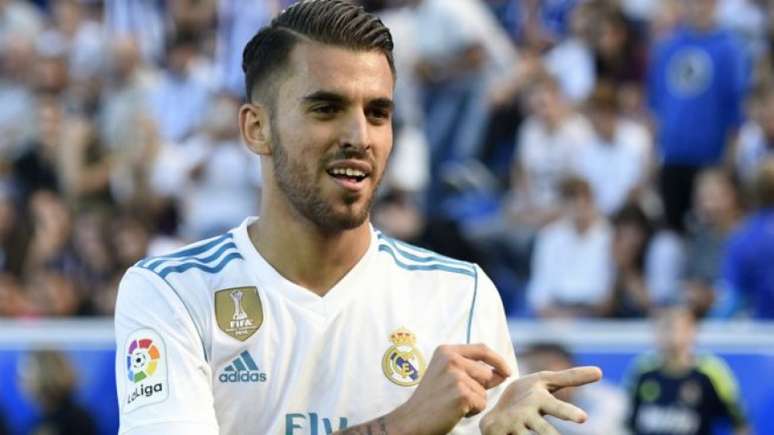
(163,380)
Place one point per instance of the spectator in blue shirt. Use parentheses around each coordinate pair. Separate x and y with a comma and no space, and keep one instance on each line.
(747,269)
(696,84)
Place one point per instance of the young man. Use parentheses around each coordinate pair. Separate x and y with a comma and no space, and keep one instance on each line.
(308,321)
(679,392)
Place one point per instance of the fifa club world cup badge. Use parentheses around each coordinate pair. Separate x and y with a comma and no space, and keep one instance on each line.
(239,311)
(403,363)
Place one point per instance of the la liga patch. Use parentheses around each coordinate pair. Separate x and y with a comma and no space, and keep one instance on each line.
(146,369)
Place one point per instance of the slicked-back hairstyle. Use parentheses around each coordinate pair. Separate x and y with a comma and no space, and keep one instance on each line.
(334,22)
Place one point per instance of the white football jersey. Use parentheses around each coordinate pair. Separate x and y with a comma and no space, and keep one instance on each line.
(212,339)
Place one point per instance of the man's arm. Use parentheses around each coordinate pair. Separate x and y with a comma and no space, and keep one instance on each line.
(162,376)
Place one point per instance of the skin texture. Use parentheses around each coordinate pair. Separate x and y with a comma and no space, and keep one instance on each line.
(332,108)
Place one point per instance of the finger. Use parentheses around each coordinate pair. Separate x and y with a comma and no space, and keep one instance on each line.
(476,397)
(563,410)
(483,374)
(481,352)
(573,377)
(541,426)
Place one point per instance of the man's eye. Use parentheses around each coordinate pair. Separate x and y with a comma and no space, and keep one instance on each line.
(325,110)
(379,114)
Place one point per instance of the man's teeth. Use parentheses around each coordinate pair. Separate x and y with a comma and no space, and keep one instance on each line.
(348,172)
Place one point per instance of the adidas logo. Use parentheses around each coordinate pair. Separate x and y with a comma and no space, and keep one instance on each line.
(242,369)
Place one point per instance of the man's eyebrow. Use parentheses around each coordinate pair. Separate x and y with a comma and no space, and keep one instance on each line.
(324,96)
(382,103)
(333,97)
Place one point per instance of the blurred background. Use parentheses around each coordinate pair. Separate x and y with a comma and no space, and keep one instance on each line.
(604,161)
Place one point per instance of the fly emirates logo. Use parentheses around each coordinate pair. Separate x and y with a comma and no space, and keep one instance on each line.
(312,424)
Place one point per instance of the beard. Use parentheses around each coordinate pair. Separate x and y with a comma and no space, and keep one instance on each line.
(306,196)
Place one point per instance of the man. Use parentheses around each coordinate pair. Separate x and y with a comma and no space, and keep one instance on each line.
(572,268)
(679,392)
(746,270)
(697,80)
(307,321)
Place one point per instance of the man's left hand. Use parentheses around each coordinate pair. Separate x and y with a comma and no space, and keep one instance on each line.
(523,406)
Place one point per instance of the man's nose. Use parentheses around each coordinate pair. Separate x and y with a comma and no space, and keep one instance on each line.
(355,132)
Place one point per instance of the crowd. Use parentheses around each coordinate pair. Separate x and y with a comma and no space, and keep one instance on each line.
(598,158)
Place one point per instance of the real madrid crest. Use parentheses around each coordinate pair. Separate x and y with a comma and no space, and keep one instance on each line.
(403,363)
(238,311)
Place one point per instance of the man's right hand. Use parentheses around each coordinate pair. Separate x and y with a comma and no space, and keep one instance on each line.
(454,386)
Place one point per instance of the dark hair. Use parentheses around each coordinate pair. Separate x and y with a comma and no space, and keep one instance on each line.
(335,22)
(574,187)
(550,348)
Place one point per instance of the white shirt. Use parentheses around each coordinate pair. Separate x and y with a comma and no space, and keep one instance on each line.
(570,268)
(212,339)
(572,63)
(614,169)
(751,151)
(447,27)
(547,156)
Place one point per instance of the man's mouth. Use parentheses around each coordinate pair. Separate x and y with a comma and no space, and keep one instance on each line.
(349,174)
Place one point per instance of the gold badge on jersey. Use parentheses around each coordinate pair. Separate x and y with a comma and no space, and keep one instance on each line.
(403,363)
(238,311)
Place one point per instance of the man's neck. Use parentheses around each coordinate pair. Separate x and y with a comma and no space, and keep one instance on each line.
(304,254)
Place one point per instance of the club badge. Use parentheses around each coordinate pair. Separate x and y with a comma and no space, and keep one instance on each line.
(403,363)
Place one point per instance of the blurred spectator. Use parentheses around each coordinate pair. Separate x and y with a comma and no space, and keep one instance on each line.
(698,76)
(678,391)
(548,142)
(630,296)
(460,52)
(572,265)
(747,266)
(665,266)
(717,211)
(14,242)
(756,138)
(17,119)
(620,54)
(51,259)
(142,20)
(19,17)
(617,162)
(95,264)
(38,166)
(51,381)
(223,183)
(747,18)
(237,23)
(571,60)
(604,403)
(81,36)
(178,101)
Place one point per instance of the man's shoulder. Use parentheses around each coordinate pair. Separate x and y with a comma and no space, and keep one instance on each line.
(405,258)
(208,256)
(196,268)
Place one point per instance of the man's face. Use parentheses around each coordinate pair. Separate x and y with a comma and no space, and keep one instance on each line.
(675,330)
(331,133)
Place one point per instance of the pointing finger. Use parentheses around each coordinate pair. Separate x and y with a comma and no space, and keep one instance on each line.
(573,377)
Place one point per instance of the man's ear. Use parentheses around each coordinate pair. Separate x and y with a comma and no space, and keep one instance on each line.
(255,128)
